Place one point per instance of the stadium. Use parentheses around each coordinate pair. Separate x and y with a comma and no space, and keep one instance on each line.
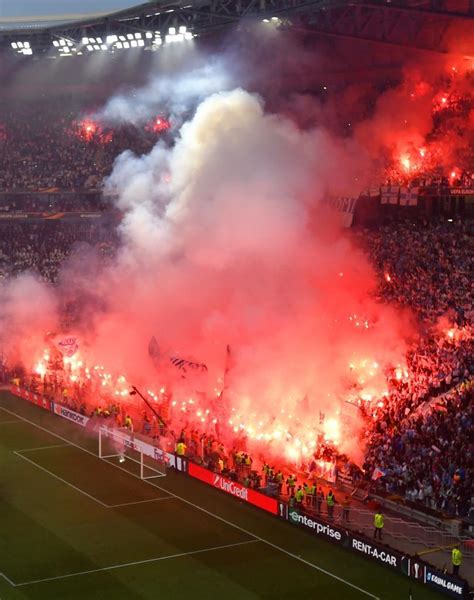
(236,299)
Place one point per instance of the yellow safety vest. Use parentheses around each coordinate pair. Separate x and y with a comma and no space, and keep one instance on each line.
(378,521)
(330,500)
(456,557)
(299,495)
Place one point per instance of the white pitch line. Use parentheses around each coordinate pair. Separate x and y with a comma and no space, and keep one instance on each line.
(271,544)
(138,562)
(42,448)
(12,583)
(141,501)
(32,462)
(17,452)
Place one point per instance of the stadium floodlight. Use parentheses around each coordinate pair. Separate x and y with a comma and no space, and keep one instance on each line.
(133,44)
(149,35)
(172,31)
(55,43)
(96,47)
(138,36)
(129,36)
(22,47)
(122,38)
(90,48)
(85,41)
(119,45)
(182,29)
(104,47)
(126,45)
(111,39)
(99,40)
(141,43)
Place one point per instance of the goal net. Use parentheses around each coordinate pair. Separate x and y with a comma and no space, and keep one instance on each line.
(140,458)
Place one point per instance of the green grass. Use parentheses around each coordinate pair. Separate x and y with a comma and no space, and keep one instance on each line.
(63,535)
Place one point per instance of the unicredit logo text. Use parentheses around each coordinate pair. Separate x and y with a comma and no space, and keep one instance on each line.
(231,487)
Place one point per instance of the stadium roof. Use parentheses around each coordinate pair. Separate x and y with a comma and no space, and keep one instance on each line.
(31,14)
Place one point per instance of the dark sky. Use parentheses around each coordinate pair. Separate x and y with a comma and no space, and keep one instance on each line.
(10,9)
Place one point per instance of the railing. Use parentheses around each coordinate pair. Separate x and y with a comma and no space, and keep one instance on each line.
(397,529)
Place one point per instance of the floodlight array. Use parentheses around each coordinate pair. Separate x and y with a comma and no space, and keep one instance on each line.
(65,46)
(22,48)
(181,35)
(149,40)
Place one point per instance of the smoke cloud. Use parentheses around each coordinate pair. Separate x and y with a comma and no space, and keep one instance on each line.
(227,244)
(230,258)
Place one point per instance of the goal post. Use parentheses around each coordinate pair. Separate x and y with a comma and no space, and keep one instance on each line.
(141,458)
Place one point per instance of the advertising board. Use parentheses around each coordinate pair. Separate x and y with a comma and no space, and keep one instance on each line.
(233,488)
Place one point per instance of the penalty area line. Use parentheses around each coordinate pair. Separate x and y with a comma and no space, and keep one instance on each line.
(32,462)
(141,501)
(256,537)
(12,583)
(41,448)
(77,489)
(138,562)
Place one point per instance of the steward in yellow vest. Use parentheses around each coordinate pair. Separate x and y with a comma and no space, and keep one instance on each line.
(379,522)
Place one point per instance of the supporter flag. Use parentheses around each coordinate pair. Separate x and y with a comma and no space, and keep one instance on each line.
(377,474)
(184,365)
(68,346)
(393,195)
(154,351)
(188,365)
(404,194)
(413,196)
(389,194)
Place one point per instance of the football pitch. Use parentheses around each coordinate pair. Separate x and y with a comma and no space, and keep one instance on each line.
(74,526)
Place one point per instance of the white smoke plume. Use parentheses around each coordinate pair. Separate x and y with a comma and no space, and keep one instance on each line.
(174,93)
(226,242)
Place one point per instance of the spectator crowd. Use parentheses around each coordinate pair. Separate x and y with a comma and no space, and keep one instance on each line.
(419,445)
(42,247)
(46,145)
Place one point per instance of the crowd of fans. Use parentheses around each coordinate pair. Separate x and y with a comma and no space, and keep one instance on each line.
(48,145)
(46,203)
(420,445)
(41,247)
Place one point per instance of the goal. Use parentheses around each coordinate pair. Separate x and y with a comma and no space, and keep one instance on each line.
(140,458)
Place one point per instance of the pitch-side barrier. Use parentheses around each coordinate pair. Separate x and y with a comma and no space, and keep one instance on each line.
(410,566)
